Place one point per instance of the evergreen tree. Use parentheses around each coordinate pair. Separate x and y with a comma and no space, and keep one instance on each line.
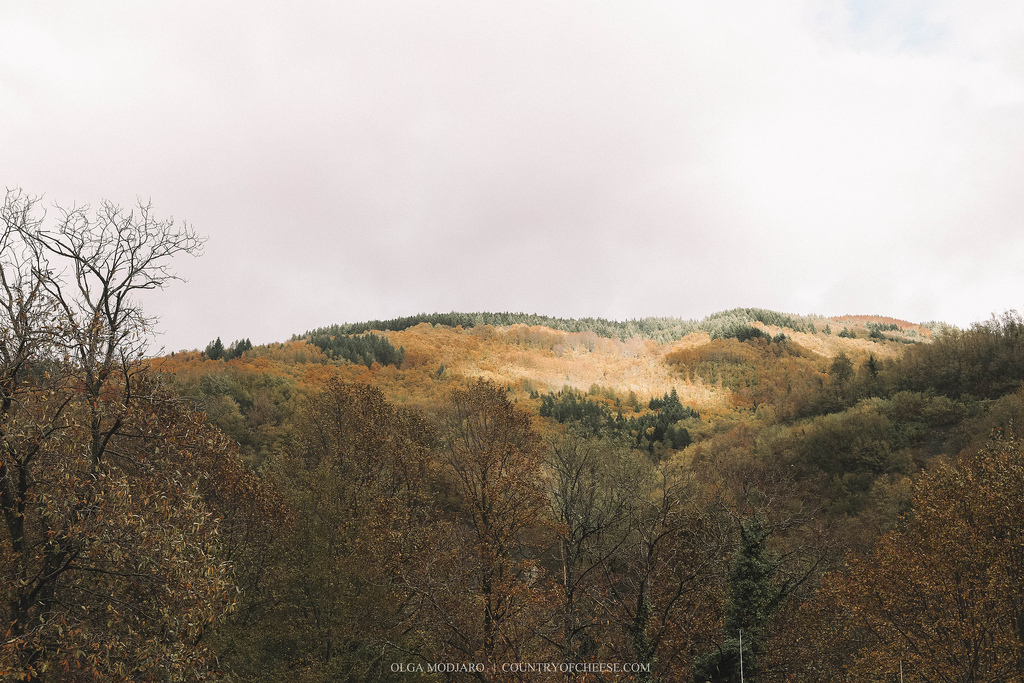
(362,349)
(215,350)
(237,349)
(751,601)
(870,378)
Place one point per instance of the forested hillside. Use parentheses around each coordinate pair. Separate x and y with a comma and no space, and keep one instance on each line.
(725,324)
(486,497)
(515,492)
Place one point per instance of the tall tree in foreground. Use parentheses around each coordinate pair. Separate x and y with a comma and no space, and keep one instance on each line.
(595,485)
(110,564)
(661,587)
(749,604)
(490,451)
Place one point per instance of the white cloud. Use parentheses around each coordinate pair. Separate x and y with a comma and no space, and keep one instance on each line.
(372,159)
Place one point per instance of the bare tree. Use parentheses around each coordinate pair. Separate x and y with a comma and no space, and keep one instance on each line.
(594,486)
(94,482)
(110,256)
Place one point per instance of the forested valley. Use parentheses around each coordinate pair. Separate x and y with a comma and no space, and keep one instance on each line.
(364,501)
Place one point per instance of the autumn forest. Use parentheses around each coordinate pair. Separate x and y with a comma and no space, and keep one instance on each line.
(494,496)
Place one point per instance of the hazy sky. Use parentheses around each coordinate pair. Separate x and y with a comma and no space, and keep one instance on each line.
(360,160)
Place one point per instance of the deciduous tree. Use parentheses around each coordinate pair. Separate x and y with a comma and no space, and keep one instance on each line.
(595,485)
(110,562)
(494,458)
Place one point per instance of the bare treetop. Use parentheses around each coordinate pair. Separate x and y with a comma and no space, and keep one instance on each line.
(91,262)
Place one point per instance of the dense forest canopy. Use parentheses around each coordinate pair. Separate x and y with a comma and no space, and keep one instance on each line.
(366,502)
(698,479)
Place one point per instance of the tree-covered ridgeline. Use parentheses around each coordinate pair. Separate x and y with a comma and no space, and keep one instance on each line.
(732,323)
(361,349)
(984,361)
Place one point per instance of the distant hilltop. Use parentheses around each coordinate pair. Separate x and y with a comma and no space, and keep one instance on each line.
(725,324)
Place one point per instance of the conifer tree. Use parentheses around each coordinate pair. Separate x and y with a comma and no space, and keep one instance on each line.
(215,349)
(751,601)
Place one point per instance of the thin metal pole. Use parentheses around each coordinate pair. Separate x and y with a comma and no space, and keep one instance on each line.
(741,657)
(901,671)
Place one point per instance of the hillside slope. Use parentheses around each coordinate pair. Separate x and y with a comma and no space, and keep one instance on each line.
(732,361)
(653,469)
(624,357)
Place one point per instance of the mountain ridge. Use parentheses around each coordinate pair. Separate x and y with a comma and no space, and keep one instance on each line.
(660,328)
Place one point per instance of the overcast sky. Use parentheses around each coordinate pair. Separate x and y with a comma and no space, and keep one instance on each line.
(361,160)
